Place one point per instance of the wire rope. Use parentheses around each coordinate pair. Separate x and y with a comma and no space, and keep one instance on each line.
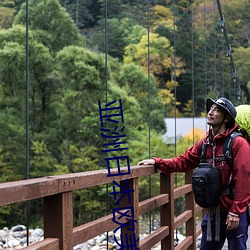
(106,95)
(175,95)
(149,121)
(27,207)
(215,52)
(174,72)
(236,83)
(192,73)
(205,49)
(77,13)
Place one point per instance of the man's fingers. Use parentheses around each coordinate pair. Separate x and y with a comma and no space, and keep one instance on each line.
(146,162)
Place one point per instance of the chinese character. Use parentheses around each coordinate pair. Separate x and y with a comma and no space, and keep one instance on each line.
(125,192)
(118,165)
(124,212)
(116,143)
(109,109)
(130,243)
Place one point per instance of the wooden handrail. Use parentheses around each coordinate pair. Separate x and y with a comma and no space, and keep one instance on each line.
(56,191)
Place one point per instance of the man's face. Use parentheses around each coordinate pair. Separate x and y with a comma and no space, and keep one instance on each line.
(215,116)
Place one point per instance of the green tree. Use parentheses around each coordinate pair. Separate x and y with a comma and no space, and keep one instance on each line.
(84,13)
(132,78)
(53,25)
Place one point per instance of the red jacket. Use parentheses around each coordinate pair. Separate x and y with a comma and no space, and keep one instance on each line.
(241,167)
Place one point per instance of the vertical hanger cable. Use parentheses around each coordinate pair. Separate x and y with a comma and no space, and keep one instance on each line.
(27,208)
(149,122)
(237,87)
(175,102)
(106,93)
(192,76)
(205,50)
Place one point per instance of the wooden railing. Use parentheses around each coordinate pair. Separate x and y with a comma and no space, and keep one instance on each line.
(56,192)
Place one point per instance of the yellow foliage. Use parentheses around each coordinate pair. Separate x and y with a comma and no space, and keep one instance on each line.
(195,134)
(203,114)
(161,15)
(166,96)
(172,84)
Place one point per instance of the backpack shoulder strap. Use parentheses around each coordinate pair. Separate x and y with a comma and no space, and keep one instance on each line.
(203,152)
(227,148)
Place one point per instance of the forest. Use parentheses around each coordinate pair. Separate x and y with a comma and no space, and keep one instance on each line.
(162,58)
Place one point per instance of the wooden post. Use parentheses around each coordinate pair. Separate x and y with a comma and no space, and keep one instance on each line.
(133,185)
(190,205)
(58,219)
(167,210)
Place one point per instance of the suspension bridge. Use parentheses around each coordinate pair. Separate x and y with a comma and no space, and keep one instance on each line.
(56,192)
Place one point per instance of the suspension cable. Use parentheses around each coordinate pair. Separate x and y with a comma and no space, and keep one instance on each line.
(106,96)
(27,208)
(229,53)
(174,75)
(175,95)
(149,121)
(192,76)
(205,50)
(215,52)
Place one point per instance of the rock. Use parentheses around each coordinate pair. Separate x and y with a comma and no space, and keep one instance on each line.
(38,232)
(100,238)
(13,243)
(3,233)
(18,228)
(16,238)
(96,248)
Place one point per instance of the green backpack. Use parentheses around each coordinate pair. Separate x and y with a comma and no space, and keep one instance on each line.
(243,120)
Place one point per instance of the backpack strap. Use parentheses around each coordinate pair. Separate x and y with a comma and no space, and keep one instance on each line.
(203,152)
(227,148)
(227,151)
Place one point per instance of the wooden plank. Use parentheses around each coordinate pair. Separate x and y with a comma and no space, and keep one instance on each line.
(154,238)
(152,203)
(182,218)
(58,219)
(99,177)
(198,231)
(185,244)
(167,210)
(190,205)
(24,190)
(131,230)
(46,244)
(178,192)
(91,229)
(198,209)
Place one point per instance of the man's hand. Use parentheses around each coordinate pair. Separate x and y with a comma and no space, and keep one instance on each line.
(232,221)
(146,162)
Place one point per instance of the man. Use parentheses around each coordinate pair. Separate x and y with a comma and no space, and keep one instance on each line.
(221,115)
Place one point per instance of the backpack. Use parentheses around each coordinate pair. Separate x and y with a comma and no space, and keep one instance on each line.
(206,185)
(206,179)
(243,120)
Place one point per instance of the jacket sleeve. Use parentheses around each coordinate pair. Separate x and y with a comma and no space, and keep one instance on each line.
(185,162)
(241,175)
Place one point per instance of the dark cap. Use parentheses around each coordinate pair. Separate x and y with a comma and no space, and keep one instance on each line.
(223,103)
